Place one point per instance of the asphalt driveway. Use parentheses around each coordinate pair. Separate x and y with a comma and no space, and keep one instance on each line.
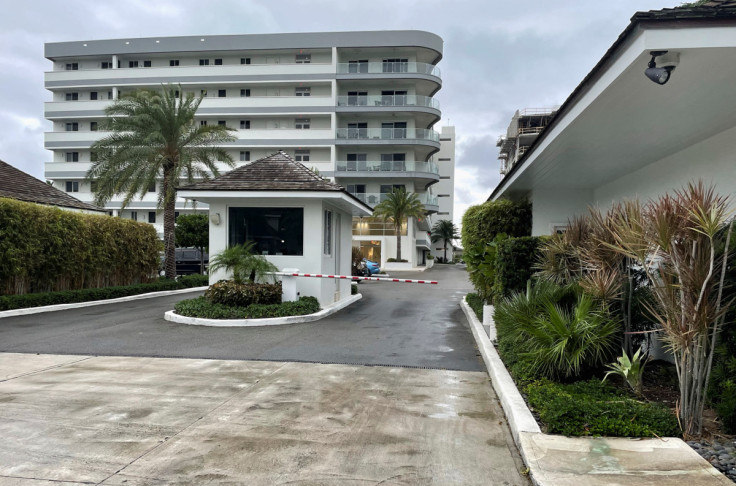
(410,325)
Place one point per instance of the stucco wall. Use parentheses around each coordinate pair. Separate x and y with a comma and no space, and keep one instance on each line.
(553,207)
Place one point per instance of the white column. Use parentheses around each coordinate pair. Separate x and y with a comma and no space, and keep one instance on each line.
(114,61)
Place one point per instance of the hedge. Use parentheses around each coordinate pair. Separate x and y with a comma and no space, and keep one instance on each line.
(203,308)
(227,292)
(515,258)
(483,222)
(475,303)
(44,249)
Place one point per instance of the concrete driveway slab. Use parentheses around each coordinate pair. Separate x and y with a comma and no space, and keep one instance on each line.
(117,420)
(13,365)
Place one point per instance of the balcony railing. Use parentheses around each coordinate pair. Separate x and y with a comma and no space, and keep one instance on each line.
(387,134)
(387,68)
(386,166)
(373,198)
(388,100)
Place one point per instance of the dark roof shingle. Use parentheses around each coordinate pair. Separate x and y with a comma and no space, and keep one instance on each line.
(16,184)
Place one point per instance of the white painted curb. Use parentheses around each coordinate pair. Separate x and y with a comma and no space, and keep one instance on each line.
(271,321)
(77,305)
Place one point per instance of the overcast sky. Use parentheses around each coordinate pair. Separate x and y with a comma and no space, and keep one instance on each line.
(499,56)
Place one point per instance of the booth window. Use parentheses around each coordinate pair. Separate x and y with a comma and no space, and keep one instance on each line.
(327,225)
(275,231)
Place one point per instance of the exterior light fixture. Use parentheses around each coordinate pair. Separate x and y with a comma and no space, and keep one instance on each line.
(659,75)
(215,218)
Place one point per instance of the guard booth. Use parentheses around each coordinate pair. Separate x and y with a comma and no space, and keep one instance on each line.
(297,220)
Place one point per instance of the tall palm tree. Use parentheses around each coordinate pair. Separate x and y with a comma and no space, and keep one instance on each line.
(444,230)
(399,205)
(154,137)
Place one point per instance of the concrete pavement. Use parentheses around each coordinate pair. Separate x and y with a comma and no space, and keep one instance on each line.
(125,420)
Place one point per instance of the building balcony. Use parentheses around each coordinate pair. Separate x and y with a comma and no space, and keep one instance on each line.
(426,173)
(374,198)
(393,101)
(358,68)
(393,134)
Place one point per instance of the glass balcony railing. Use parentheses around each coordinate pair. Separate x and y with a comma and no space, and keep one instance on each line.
(386,166)
(387,68)
(373,198)
(388,100)
(387,134)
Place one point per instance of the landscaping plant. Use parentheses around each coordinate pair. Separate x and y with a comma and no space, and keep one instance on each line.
(444,230)
(244,262)
(398,207)
(630,369)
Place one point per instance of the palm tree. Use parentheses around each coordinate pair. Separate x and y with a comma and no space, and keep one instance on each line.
(242,260)
(399,205)
(444,230)
(154,137)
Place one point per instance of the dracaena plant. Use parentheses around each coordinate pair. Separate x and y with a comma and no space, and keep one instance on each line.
(630,369)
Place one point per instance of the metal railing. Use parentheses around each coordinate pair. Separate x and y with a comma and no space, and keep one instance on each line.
(530,130)
(388,100)
(387,68)
(373,198)
(387,134)
(386,166)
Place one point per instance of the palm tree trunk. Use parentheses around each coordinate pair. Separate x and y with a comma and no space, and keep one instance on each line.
(169,227)
(398,242)
(445,251)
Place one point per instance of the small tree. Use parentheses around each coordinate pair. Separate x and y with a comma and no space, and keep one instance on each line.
(242,260)
(444,230)
(399,205)
(193,230)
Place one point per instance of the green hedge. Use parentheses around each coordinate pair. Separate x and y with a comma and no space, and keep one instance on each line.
(483,222)
(515,258)
(227,292)
(44,249)
(193,280)
(201,307)
(475,303)
(595,408)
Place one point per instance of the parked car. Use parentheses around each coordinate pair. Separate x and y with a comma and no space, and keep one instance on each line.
(188,261)
(372,267)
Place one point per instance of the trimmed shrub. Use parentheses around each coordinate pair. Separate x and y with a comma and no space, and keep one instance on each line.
(515,258)
(475,303)
(482,223)
(201,307)
(9,302)
(44,249)
(394,260)
(227,292)
(193,280)
(595,408)
(354,289)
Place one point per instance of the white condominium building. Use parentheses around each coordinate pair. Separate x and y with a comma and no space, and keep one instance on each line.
(359,107)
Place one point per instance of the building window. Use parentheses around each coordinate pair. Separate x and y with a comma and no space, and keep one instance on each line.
(93,95)
(221,123)
(132,64)
(134,215)
(327,226)
(393,162)
(218,62)
(151,216)
(72,186)
(302,91)
(106,65)
(204,62)
(109,95)
(303,58)
(445,177)
(173,62)
(203,92)
(146,63)
(176,215)
(221,93)
(202,123)
(245,93)
(93,156)
(360,66)
(356,189)
(302,123)
(301,155)
(245,124)
(72,127)
(72,96)
(92,126)
(152,187)
(72,66)
(357,98)
(244,60)
(72,156)
(245,155)
(395,65)
(275,231)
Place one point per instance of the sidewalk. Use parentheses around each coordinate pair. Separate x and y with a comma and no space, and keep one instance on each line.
(586,461)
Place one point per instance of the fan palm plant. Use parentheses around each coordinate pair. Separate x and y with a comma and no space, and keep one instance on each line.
(444,230)
(154,137)
(398,206)
(242,260)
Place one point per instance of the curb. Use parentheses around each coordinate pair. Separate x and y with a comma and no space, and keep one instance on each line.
(77,305)
(270,321)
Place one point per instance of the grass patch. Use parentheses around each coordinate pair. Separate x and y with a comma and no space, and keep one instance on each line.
(203,308)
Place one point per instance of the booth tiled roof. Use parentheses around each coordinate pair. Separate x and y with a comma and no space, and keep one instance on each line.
(707,10)
(16,184)
(277,172)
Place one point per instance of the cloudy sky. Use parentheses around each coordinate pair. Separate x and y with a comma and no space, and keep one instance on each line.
(499,56)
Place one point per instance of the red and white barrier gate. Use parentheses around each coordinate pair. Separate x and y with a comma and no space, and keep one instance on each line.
(288,281)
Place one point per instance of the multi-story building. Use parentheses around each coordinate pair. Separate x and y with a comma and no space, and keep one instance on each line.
(445,188)
(524,128)
(359,107)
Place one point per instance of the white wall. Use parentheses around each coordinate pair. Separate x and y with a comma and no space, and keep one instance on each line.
(553,207)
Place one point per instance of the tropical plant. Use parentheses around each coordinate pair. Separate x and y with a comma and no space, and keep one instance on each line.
(153,138)
(681,241)
(242,261)
(193,230)
(444,230)
(398,206)
(481,259)
(356,257)
(630,369)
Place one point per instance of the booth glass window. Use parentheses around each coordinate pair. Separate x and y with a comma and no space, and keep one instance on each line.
(275,231)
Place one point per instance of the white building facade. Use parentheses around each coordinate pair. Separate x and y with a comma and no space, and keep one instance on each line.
(445,188)
(359,107)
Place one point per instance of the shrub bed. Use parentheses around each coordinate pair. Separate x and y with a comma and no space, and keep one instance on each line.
(595,408)
(515,258)
(10,302)
(201,307)
(475,303)
(230,293)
